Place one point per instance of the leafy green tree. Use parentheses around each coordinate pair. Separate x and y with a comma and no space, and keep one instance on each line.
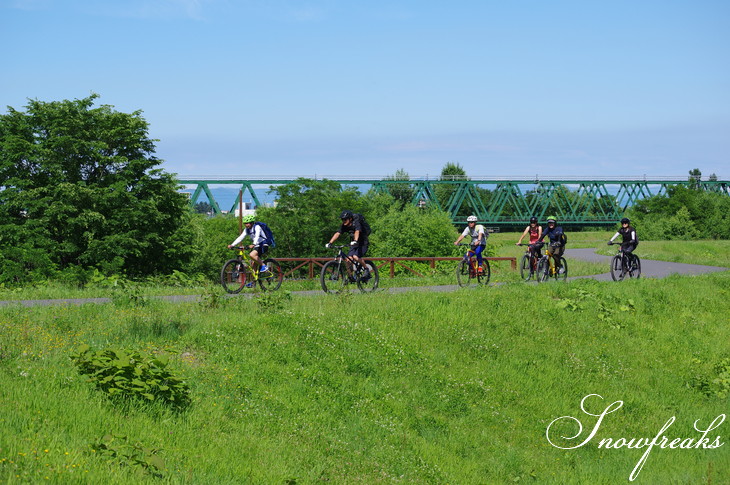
(401,192)
(307,213)
(450,171)
(203,208)
(411,232)
(695,175)
(81,184)
(212,235)
(683,213)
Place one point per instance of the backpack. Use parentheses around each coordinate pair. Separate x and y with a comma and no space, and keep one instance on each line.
(267,233)
(365,225)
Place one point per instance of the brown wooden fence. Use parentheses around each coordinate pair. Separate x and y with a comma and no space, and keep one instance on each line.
(311,263)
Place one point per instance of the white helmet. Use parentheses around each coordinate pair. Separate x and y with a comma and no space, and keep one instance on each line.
(471,219)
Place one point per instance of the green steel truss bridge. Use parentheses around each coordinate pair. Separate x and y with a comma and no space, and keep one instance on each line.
(579,201)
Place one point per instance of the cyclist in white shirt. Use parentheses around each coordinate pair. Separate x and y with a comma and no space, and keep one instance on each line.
(478,238)
(258,238)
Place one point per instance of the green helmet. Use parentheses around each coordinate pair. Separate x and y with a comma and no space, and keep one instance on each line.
(248,218)
(551,219)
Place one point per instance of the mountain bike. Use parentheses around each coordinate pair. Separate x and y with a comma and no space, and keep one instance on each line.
(468,271)
(337,274)
(528,263)
(546,268)
(624,263)
(239,273)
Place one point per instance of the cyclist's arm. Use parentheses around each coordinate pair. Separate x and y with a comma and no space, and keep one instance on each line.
(461,236)
(356,236)
(633,236)
(240,238)
(334,237)
(565,239)
(614,237)
(524,233)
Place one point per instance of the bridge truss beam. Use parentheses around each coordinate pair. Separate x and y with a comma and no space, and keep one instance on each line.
(498,202)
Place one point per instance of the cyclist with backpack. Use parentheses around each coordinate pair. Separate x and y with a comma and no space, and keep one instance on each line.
(558,240)
(478,238)
(628,233)
(359,230)
(261,237)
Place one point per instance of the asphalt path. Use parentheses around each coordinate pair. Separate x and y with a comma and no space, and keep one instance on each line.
(649,269)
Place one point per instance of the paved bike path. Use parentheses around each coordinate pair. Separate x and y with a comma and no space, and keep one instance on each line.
(649,269)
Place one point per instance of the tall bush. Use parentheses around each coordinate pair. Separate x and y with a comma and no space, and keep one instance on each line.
(82,185)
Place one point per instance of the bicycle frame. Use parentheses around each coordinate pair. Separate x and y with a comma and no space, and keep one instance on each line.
(546,267)
(349,261)
(470,261)
(245,257)
(630,265)
(344,269)
(240,272)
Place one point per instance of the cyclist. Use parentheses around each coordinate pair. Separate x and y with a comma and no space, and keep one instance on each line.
(478,238)
(535,231)
(558,240)
(260,243)
(359,231)
(628,234)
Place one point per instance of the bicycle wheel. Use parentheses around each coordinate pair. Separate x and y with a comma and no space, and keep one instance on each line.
(617,268)
(635,271)
(483,277)
(526,267)
(234,275)
(369,283)
(463,270)
(543,270)
(271,279)
(562,275)
(334,277)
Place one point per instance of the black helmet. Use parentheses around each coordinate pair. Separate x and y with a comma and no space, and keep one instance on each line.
(346,215)
(625,220)
(533,219)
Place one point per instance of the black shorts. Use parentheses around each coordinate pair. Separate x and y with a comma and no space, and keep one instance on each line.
(261,249)
(628,247)
(360,250)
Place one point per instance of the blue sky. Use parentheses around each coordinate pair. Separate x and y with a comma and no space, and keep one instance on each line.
(363,88)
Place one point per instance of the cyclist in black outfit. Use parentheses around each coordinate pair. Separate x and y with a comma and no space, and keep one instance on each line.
(558,240)
(629,240)
(359,231)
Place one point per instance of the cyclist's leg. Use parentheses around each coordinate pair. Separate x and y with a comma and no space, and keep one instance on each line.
(354,254)
(478,251)
(262,250)
(362,250)
(255,257)
(551,257)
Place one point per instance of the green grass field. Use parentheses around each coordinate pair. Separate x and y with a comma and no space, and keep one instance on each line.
(455,387)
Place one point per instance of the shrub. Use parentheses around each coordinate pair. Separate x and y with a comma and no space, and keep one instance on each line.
(135,375)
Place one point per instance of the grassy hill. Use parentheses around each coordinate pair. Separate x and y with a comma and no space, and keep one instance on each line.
(416,388)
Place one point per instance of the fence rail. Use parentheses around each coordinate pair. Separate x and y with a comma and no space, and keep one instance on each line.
(310,263)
